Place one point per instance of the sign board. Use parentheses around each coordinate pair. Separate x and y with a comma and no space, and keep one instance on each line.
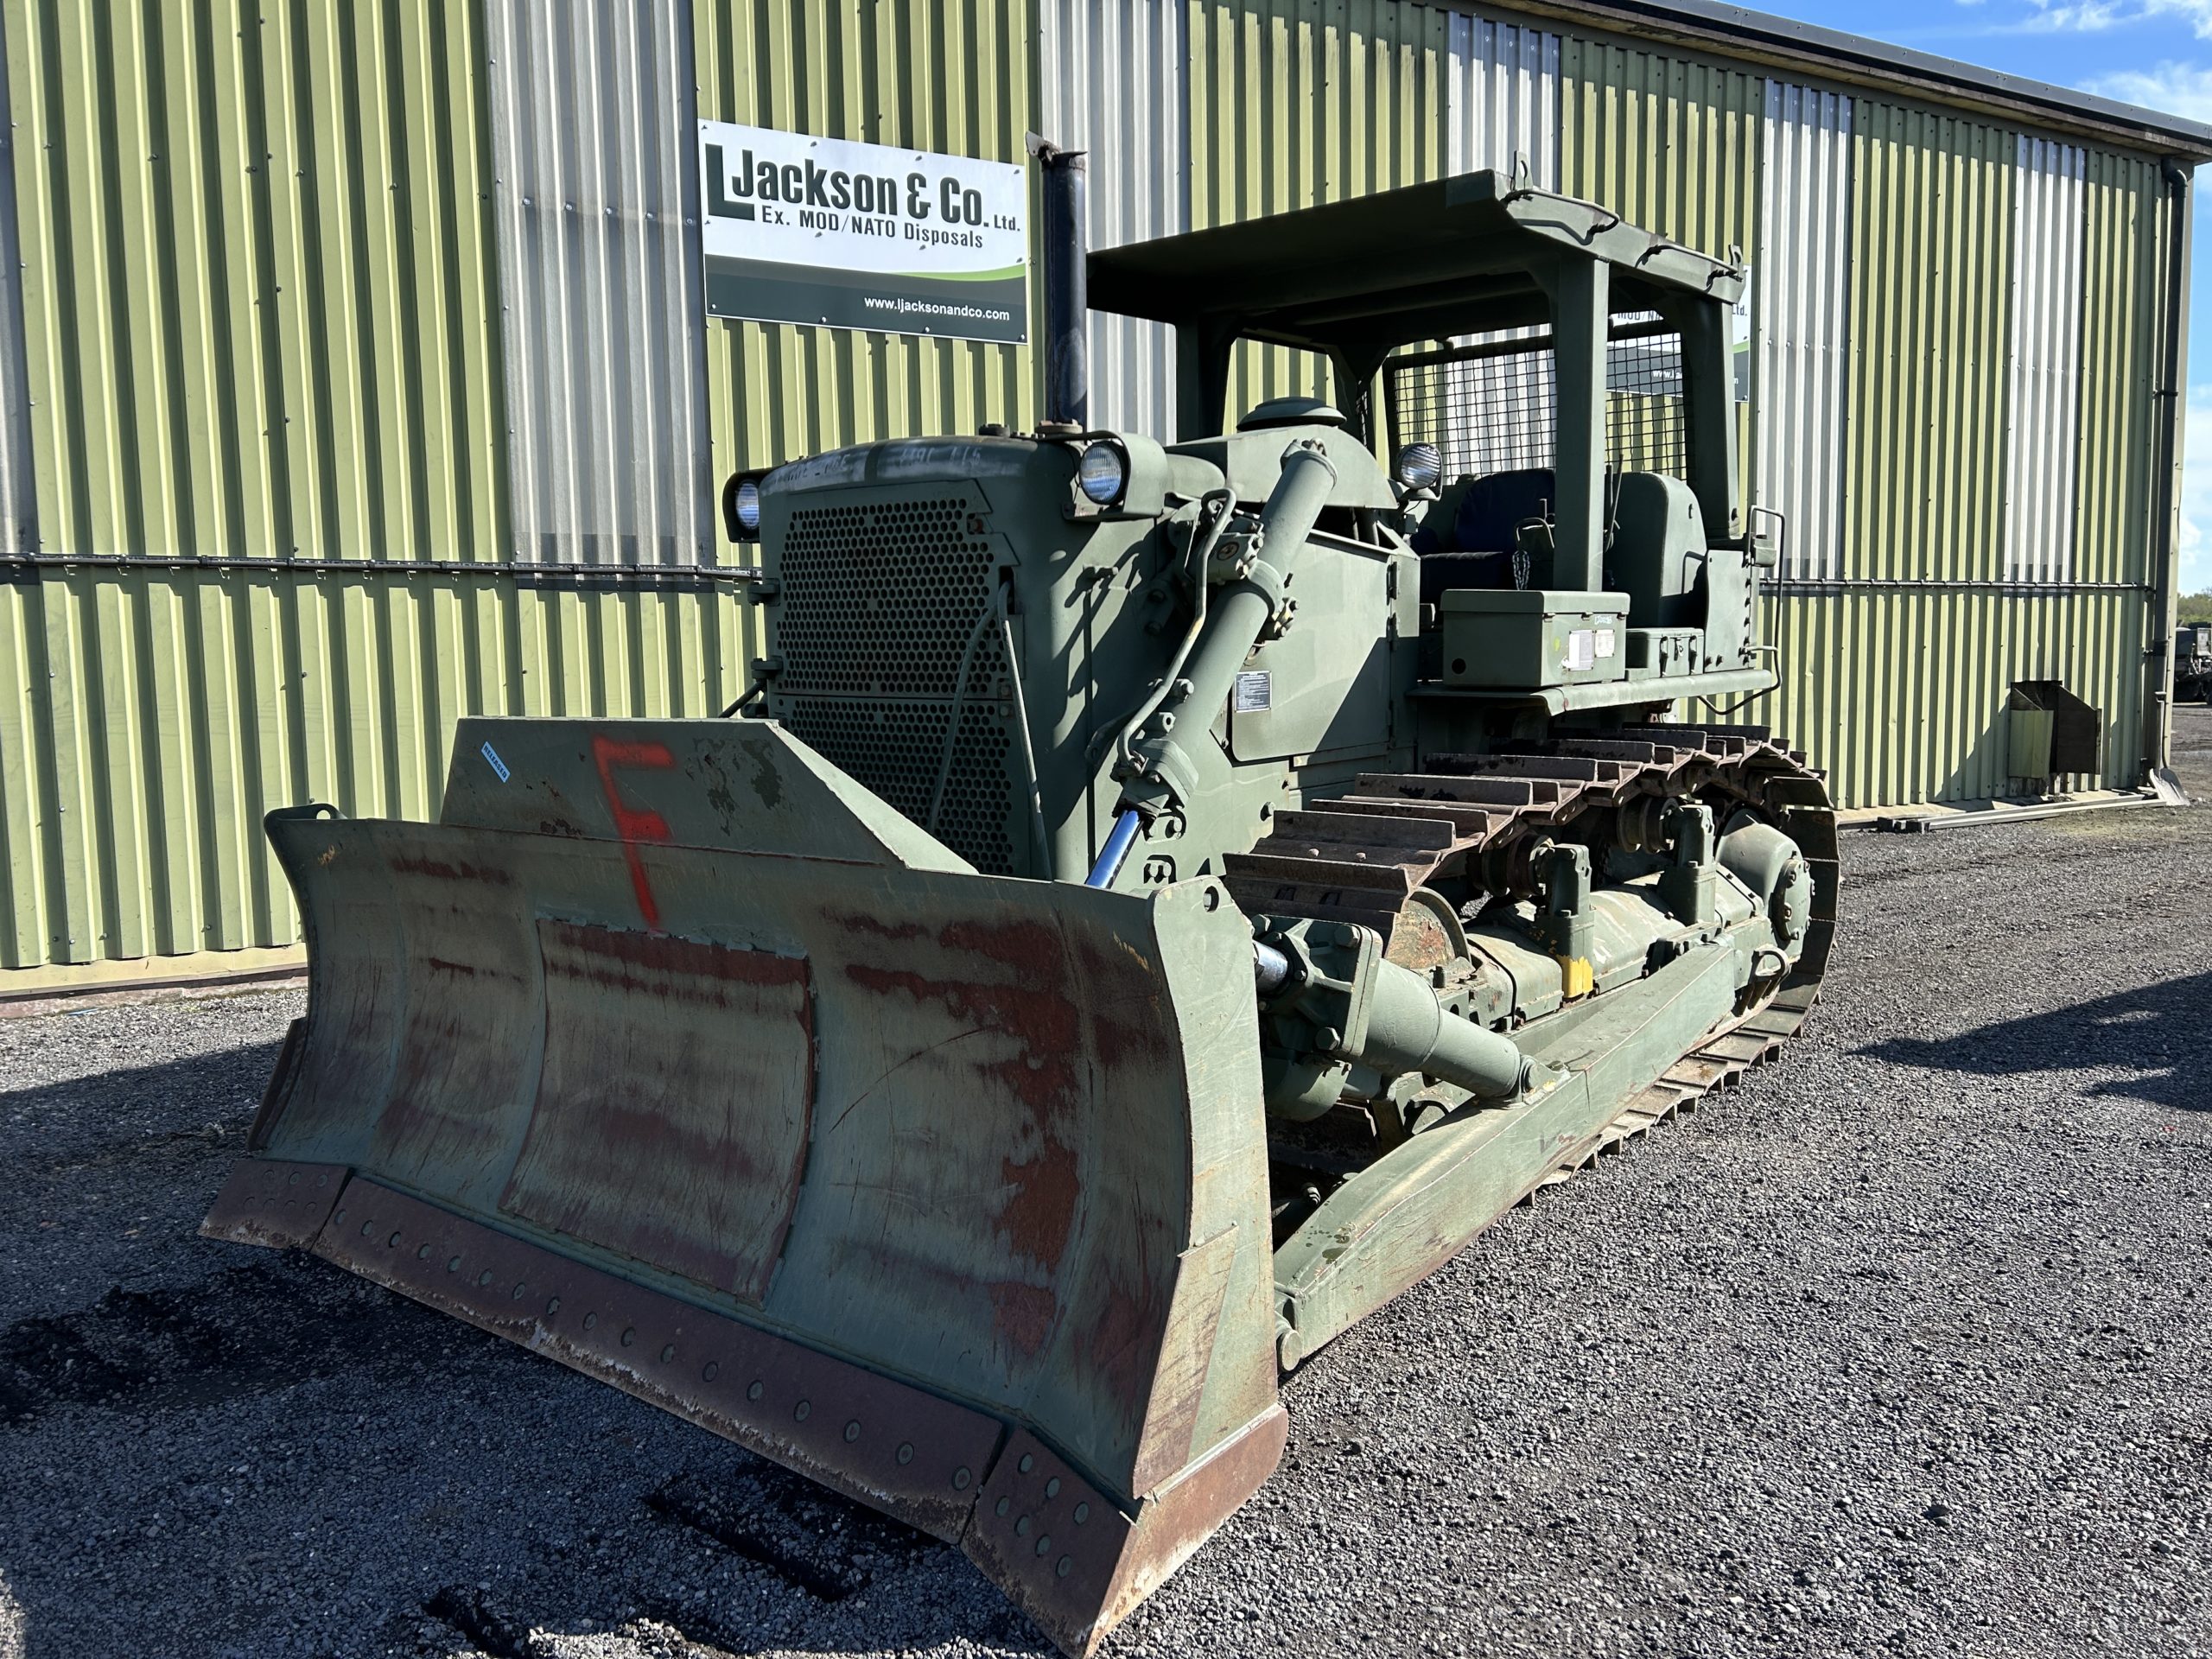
(846,235)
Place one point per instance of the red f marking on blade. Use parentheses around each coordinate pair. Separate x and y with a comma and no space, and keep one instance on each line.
(633,824)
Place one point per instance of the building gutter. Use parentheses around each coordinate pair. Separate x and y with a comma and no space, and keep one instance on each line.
(2165,520)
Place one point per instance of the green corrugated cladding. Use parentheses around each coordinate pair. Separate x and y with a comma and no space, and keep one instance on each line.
(1297,102)
(1670,143)
(151,716)
(261,290)
(257,276)
(949,75)
(260,319)
(1899,689)
(2120,303)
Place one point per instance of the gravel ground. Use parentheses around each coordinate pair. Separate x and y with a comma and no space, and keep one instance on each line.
(1895,1349)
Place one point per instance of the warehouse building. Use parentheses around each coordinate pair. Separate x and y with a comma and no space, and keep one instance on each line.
(358,369)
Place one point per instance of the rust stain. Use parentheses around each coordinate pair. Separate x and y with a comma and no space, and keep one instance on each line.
(1024,1315)
(1045,1024)
(1046,1076)
(674,1102)
(862,923)
(670,953)
(1121,1343)
(438,870)
(458,969)
(1039,1210)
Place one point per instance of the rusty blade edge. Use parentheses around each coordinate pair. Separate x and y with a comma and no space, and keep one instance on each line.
(1034,1505)
(937,1465)
(897,1448)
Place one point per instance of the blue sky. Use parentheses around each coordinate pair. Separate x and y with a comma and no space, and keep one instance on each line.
(2155,52)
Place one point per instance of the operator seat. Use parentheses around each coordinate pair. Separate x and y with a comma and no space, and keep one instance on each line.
(1476,549)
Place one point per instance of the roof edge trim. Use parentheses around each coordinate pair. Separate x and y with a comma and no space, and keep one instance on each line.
(1762,38)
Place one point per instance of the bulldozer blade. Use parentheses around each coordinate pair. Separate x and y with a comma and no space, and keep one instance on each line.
(675,1056)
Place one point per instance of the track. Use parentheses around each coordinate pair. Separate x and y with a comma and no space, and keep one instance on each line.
(1471,822)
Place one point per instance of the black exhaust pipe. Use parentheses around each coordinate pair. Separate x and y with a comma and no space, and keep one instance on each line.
(1067,300)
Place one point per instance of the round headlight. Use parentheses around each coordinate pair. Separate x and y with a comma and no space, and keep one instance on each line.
(1101,474)
(1419,466)
(748,507)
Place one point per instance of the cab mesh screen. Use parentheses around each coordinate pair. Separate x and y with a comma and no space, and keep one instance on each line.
(1493,407)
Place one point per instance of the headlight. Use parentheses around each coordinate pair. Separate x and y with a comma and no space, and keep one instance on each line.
(746,503)
(1102,475)
(1419,466)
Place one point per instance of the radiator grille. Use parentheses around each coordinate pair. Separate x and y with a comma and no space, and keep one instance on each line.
(893,749)
(878,599)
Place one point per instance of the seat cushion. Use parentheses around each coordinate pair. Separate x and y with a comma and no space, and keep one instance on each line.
(1498,504)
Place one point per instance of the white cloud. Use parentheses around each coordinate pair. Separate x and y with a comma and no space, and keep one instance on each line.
(2183,89)
(2083,17)
(2093,16)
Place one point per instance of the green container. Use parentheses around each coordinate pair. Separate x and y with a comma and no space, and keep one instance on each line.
(1489,640)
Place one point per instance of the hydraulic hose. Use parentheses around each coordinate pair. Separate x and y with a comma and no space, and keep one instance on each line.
(1216,507)
(1165,772)
(991,611)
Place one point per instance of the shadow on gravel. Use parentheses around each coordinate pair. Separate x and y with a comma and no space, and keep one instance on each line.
(181,1104)
(263,1325)
(2155,1036)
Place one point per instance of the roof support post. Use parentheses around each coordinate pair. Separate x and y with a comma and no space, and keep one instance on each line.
(1202,352)
(1354,373)
(1709,409)
(1581,320)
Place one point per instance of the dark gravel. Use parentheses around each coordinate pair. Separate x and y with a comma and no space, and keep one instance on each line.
(1897,1348)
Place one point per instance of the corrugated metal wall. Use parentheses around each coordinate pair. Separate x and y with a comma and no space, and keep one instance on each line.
(1296,102)
(18,499)
(1110,82)
(1801,334)
(2123,229)
(258,305)
(152,715)
(260,325)
(2045,355)
(257,294)
(1670,142)
(1502,98)
(1919,693)
(953,76)
(1931,215)
(595,185)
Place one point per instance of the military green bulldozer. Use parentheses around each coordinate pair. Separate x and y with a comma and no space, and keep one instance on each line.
(1153,903)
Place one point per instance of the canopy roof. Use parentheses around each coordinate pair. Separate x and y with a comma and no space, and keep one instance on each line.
(1453,257)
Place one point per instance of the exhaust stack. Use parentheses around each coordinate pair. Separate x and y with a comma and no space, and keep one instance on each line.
(1067,306)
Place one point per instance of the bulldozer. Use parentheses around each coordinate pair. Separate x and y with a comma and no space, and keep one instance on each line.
(1153,903)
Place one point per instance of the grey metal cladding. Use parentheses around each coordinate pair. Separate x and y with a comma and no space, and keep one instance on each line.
(595,185)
